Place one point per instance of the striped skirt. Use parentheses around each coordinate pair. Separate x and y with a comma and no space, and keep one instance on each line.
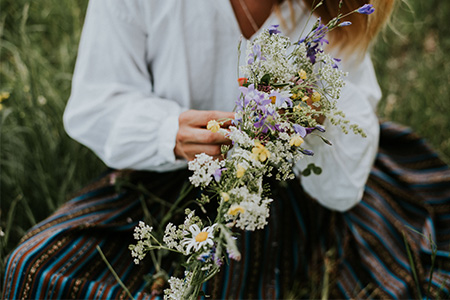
(394,244)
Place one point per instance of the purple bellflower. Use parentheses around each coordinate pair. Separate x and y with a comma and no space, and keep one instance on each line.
(313,41)
(307,152)
(318,127)
(273,29)
(256,55)
(366,9)
(346,23)
(300,130)
(218,174)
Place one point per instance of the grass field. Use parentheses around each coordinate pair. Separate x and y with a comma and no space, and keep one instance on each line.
(41,166)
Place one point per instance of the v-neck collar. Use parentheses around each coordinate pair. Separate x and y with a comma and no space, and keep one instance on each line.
(231,16)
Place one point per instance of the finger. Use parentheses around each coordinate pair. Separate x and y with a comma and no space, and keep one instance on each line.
(193,149)
(201,136)
(200,118)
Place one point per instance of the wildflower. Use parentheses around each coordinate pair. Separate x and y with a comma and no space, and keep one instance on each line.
(142,233)
(273,29)
(315,97)
(260,152)
(307,152)
(242,81)
(240,171)
(199,238)
(213,125)
(179,288)
(204,167)
(302,74)
(300,130)
(230,242)
(218,174)
(256,56)
(296,141)
(225,196)
(346,23)
(366,9)
(279,99)
(235,209)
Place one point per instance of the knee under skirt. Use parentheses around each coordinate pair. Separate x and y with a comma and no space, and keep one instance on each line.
(379,249)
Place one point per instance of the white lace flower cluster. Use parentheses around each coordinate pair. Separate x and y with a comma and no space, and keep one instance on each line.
(143,235)
(203,167)
(270,51)
(179,288)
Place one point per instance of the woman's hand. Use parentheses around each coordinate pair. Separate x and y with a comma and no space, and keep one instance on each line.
(193,137)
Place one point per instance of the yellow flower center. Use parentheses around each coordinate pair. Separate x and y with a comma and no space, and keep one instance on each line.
(213,125)
(274,99)
(235,209)
(201,237)
(315,97)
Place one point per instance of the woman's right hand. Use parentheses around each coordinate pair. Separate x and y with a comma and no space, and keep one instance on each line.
(193,137)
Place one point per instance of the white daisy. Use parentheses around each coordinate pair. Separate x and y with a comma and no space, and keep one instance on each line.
(199,238)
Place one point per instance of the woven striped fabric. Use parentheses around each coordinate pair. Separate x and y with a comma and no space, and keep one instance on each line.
(394,244)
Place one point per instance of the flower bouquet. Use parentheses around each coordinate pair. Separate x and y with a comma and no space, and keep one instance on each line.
(288,88)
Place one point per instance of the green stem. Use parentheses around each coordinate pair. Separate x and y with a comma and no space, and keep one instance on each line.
(433,258)
(413,268)
(184,192)
(114,272)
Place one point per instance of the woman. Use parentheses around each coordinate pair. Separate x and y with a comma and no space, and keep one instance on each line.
(149,76)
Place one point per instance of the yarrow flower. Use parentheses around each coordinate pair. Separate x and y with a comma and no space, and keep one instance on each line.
(142,233)
(204,167)
(179,288)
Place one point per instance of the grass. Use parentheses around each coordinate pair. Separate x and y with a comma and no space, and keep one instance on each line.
(40,166)
(414,71)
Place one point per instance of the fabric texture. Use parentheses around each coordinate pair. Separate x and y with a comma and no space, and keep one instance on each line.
(142,63)
(361,253)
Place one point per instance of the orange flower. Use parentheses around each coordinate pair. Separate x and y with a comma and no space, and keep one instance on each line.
(242,81)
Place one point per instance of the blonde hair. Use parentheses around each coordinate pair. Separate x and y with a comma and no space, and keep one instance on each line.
(354,39)
(364,28)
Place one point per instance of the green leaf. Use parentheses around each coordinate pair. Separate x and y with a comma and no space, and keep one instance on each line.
(265,79)
(306,172)
(317,170)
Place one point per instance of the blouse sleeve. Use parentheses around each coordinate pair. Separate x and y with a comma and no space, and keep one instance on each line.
(112,109)
(347,163)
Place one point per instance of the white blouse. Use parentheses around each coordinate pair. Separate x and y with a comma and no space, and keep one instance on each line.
(143,62)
